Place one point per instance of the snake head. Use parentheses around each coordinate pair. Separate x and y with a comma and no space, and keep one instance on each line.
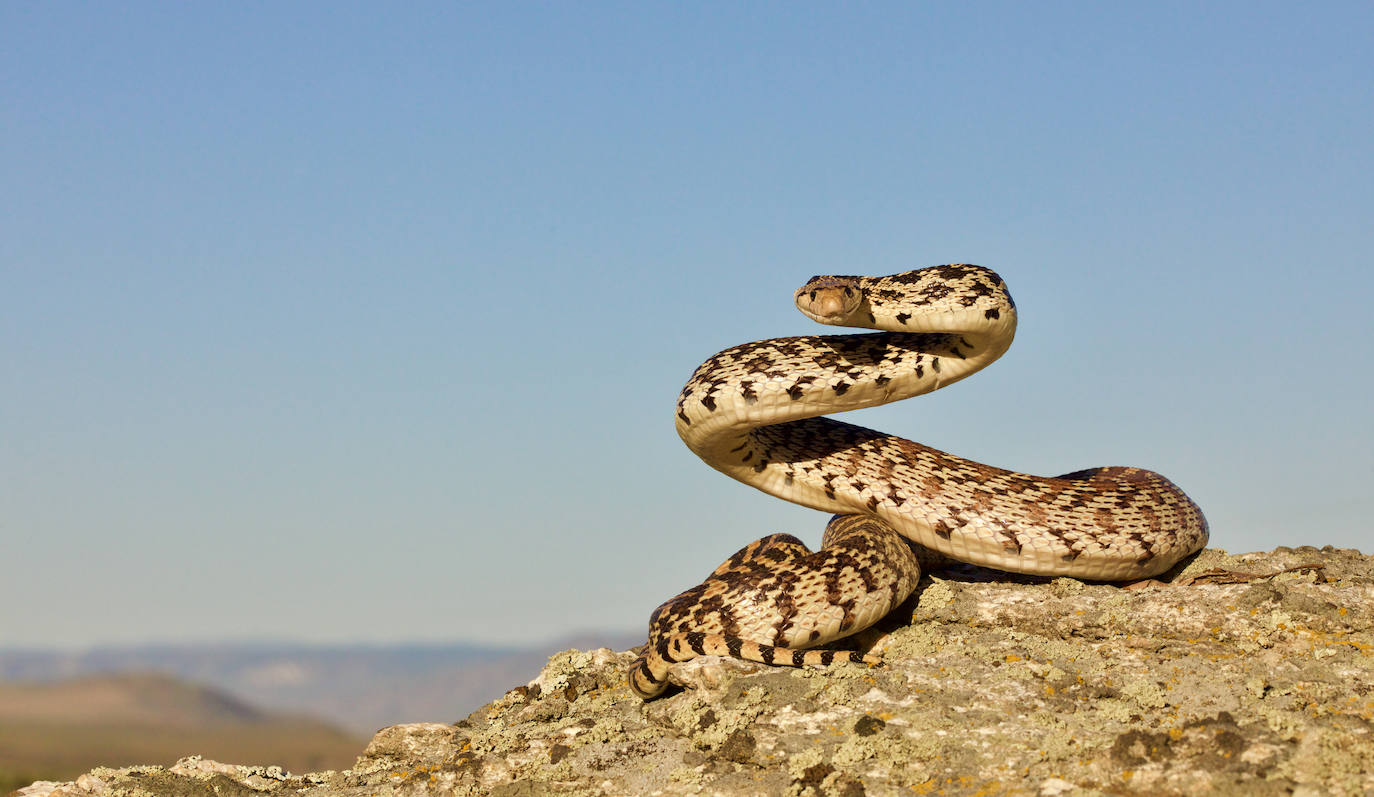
(830,299)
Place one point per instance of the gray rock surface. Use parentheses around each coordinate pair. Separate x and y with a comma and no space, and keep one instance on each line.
(1256,680)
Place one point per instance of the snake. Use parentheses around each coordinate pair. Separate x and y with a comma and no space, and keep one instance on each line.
(755,412)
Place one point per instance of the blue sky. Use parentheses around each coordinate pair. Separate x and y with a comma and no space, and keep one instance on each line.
(359,321)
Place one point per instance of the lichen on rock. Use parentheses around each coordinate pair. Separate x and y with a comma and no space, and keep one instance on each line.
(1249,674)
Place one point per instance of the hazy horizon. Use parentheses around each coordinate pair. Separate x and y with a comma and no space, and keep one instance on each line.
(276,643)
(361,322)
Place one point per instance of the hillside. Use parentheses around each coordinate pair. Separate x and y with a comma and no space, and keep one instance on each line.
(135,699)
(360,687)
(60,729)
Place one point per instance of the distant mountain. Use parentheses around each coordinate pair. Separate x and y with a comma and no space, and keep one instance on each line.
(128,699)
(362,687)
(58,729)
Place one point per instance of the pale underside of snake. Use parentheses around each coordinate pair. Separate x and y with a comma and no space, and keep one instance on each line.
(752,412)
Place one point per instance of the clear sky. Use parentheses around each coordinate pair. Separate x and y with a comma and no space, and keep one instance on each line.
(350,321)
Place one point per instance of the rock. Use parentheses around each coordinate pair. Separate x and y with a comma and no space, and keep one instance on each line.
(1235,678)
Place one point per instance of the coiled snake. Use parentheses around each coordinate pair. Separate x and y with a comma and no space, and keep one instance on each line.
(751,412)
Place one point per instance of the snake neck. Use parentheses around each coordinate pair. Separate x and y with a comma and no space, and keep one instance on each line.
(785,380)
(937,325)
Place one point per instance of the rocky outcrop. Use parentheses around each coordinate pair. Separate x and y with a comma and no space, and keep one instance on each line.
(1249,674)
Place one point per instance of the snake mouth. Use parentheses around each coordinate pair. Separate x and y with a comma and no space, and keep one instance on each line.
(830,299)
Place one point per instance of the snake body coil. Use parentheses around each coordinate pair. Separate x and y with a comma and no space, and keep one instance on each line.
(752,412)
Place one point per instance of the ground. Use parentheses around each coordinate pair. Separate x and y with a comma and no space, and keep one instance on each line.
(1249,674)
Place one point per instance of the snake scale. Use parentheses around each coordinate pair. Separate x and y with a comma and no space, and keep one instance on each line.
(753,413)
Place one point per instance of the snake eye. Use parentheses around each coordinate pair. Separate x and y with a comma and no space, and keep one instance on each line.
(813,296)
(848,291)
